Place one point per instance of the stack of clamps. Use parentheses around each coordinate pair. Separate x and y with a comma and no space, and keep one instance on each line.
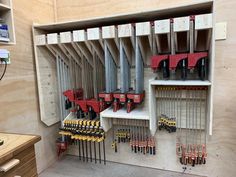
(81,129)
(192,61)
(136,133)
(117,100)
(85,105)
(192,154)
(83,133)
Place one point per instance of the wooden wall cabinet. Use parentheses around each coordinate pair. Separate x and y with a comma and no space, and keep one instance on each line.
(17,155)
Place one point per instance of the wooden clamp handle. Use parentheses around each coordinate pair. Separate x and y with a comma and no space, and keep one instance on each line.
(9,165)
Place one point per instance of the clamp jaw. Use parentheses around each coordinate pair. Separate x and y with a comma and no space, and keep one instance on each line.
(134,98)
(119,100)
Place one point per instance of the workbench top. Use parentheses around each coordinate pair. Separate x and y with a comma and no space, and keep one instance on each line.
(15,143)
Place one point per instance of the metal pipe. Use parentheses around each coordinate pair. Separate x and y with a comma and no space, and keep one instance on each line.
(139,71)
(124,70)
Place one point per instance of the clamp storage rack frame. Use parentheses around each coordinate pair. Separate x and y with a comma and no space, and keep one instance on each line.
(47,78)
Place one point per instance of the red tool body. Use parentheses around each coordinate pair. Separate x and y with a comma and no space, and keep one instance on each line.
(193,58)
(108,97)
(74,95)
(175,59)
(156,60)
(82,105)
(134,98)
(119,100)
(94,104)
(61,147)
(105,99)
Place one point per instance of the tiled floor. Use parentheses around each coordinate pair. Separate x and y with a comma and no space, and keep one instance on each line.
(70,166)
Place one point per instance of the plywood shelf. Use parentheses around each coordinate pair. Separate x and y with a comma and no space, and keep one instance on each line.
(4,7)
(6,16)
(107,115)
(137,113)
(179,82)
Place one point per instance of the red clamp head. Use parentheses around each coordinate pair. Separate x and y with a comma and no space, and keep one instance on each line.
(175,59)
(94,104)
(193,58)
(156,60)
(70,95)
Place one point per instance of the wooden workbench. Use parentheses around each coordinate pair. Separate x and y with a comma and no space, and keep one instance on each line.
(18,147)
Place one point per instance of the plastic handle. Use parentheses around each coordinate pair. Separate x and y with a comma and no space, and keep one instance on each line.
(9,165)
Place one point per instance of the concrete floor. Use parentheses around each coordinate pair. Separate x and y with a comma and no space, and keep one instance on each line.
(71,166)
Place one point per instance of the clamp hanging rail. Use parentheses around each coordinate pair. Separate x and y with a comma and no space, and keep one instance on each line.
(181,28)
(52,44)
(81,45)
(66,46)
(162,36)
(163,46)
(202,32)
(94,37)
(110,36)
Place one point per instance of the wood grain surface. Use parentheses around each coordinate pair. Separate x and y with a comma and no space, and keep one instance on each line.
(15,143)
(27,162)
(19,101)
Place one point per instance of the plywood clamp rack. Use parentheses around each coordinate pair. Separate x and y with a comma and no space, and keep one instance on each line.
(113,69)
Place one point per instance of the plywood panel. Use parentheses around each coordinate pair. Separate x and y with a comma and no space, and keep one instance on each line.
(143,29)
(109,32)
(162,26)
(125,30)
(79,35)
(52,38)
(93,34)
(40,39)
(68,9)
(66,37)
(203,21)
(181,24)
(19,101)
(49,108)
